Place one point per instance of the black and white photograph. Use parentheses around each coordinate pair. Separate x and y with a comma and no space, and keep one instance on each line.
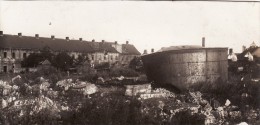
(130,62)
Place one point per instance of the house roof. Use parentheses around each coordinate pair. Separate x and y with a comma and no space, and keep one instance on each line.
(46,62)
(102,47)
(32,43)
(129,49)
(250,49)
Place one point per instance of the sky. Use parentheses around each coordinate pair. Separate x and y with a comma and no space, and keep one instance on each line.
(145,24)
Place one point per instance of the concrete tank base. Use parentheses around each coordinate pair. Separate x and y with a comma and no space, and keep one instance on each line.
(187,67)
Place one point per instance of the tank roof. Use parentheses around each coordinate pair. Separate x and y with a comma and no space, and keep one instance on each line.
(179,47)
(185,48)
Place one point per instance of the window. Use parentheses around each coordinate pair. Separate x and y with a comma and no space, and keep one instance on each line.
(5,54)
(105,57)
(24,55)
(111,57)
(92,57)
(13,55)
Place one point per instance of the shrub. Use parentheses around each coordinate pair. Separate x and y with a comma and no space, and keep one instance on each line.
(89,74)
(62,61)
(122,71)
(185,118)
(104,65)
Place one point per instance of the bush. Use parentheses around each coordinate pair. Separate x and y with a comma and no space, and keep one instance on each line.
(185,118)
(62,61)
(89,74)
(101,66)
(122,71)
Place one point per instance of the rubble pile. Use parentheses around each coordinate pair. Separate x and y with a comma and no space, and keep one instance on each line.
(30,107)
(68,96)
(134,90)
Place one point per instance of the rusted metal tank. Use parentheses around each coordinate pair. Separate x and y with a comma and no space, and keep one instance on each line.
(184,67)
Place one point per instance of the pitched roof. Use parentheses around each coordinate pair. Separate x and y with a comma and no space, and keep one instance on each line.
(129,49)
(250,49)
(46,62)
(32,43)
(102,47)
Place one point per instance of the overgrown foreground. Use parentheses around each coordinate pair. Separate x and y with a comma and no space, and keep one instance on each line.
(47,100)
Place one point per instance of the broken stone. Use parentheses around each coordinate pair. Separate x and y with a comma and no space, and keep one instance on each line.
(209,120)
(235,114)
(243,123)
(161,105)
(100,80)
(90,89)
(4,103)
(120,78)
(227,103)
(221,112)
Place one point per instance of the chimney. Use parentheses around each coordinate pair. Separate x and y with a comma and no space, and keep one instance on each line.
(103,41)
(67,38)
(19,34)
(115,42)
(243,48)
(37,36)
(230,51)
(80,39)
(53,37)
(152,50)
(127,42)
(203,41)
(93,40)
(1,33)
(145,51)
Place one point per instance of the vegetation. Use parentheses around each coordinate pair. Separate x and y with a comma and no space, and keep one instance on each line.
(123,71)
(136,64)
(62,61)
(34,59)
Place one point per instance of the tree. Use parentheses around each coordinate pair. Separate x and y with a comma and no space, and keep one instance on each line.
(47,54)
(63,61)
(32,60)
(136,64)
(81,60)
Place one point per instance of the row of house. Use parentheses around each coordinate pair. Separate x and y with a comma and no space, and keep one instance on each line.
(15,48)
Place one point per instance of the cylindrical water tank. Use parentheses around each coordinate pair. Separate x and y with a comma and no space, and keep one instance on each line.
(183,68)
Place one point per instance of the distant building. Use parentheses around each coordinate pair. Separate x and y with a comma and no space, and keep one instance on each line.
(247,60)
(127,52)
(15,48)
(253,50)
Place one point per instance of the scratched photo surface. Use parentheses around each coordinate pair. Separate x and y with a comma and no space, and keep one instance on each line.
(130,62)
